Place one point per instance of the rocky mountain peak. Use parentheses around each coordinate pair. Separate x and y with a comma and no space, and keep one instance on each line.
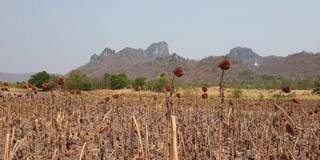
(303,53)
(130,51)
(245,55)
(94,58)
(158,49)
(108,51)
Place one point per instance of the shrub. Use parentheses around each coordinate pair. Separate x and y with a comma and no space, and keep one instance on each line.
(158,84)
(20,85)
(140,81)
(77,80)
(39,78)
(53,81)
(316,91)
(102,82)
(236,93)
(119,81)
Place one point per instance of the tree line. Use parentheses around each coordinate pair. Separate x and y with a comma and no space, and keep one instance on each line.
(78,80)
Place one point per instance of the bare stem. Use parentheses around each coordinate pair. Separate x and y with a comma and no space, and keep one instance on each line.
(219,152)
(82,151)
(138,131)
(174,148)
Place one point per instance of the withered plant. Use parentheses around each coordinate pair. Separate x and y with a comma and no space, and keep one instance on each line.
(224,65)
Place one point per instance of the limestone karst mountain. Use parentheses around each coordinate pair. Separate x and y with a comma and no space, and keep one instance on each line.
(157,59)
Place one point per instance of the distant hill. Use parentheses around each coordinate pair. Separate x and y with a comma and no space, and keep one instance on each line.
(156,59)
(14,77)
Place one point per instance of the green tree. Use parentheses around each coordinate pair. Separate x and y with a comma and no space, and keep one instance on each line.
(140,81)
(102,82)
(119,81)
(39,78)
(77,80)
(158,84)
(106,80)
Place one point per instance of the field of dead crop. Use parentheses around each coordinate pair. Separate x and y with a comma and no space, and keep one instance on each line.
(127,125)
(174,125)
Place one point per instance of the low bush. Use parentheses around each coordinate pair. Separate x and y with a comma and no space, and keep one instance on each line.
(77,80)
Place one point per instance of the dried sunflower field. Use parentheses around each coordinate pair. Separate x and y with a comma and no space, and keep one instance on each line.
(140,125)
(46,127)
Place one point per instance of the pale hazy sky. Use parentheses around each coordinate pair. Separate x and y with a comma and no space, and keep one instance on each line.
(60,35)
